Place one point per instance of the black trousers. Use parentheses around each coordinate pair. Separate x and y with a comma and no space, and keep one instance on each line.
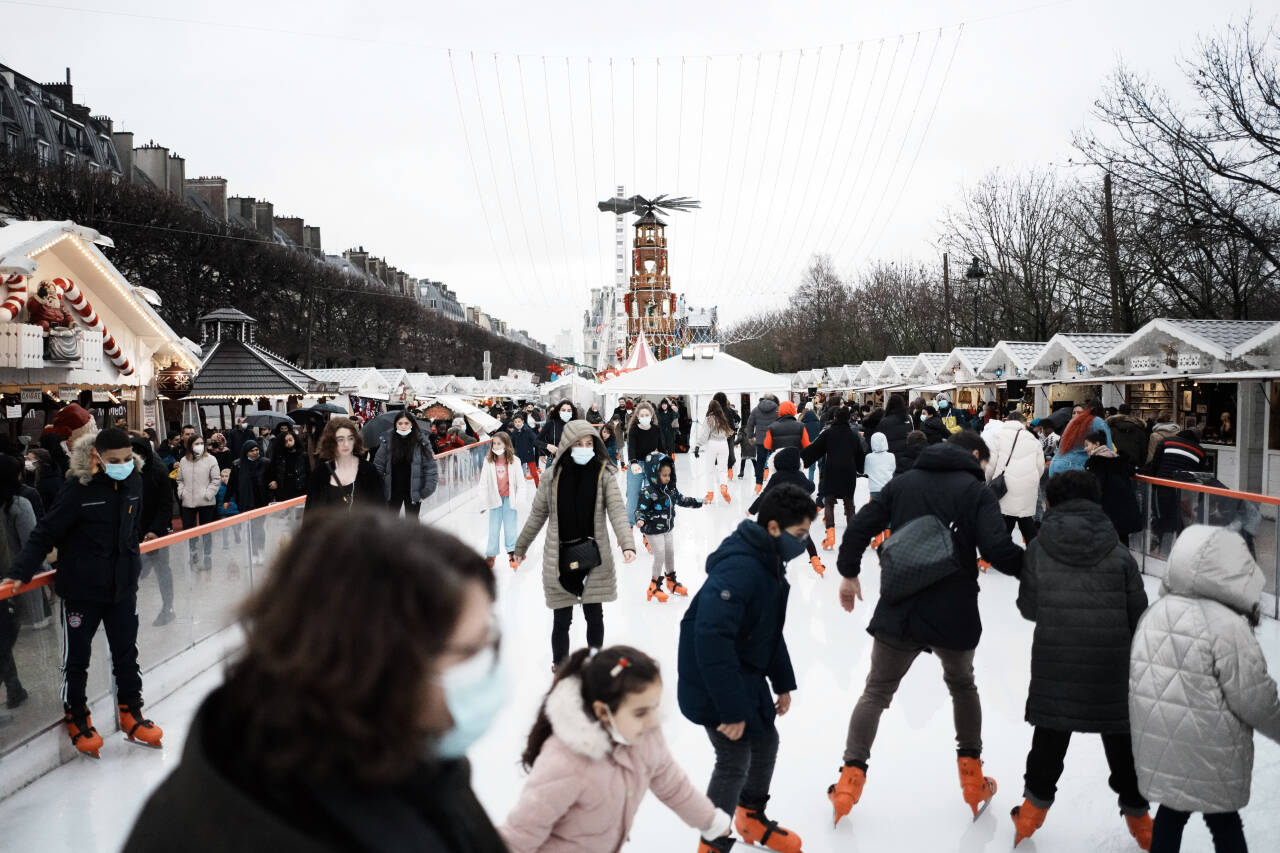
(402,500)
(9,638)
(743,773)
(80,621)
(1044,768)
(1225,827)
(563,618)
(762,461)
(1026,526)
(158,561)
(193,517)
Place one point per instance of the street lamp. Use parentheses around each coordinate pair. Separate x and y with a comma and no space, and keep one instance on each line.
(975,274)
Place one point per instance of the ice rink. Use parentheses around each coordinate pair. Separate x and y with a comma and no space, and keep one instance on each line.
(912,801)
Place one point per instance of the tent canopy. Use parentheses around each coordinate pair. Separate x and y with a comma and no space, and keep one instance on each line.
(700,375)
(479,419)
(641,355)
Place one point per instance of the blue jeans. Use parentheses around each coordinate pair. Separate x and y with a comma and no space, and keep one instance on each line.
(634,482)
(817,466)
(762,461)
(500,518)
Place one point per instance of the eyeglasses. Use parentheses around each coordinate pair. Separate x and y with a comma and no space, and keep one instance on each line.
(484,655)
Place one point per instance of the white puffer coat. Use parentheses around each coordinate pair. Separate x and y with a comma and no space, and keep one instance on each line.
(1198,683)
(1022,470)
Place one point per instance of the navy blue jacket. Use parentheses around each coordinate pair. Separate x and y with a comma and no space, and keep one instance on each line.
(731,636)
(96,528)
(524,442)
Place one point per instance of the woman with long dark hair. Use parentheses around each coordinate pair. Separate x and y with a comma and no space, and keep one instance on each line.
(198,481)
(735,421)
(337,731)
(712,449)
(343,477)
(290,468)
(578,493)
(408,467)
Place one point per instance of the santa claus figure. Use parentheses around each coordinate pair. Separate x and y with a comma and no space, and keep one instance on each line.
(44,308)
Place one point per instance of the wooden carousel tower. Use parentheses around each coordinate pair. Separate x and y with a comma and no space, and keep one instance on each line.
(650,305)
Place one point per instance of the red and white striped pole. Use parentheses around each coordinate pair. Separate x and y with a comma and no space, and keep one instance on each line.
(85,312)
(15,286)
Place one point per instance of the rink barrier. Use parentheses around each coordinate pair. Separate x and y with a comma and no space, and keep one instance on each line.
(202,635)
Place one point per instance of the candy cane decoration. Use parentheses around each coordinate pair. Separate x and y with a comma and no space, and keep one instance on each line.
(90,318)
(16,287)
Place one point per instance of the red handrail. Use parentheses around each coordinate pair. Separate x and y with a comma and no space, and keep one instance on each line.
(1210,490)
(7,590)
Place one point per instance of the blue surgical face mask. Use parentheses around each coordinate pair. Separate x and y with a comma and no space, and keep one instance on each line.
(583,455)
(790,547)
(566,416)
(942,404)
(119,470)
(474,693)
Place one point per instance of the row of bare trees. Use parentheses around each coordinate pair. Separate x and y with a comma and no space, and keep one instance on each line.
(1170,209)
(308,311)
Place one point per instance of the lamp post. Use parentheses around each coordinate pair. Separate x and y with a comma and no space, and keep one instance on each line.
(975,274)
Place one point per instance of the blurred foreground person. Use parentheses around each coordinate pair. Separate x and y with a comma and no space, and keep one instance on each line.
(334,731)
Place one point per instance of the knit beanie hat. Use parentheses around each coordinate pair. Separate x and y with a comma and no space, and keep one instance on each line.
(786,408)
(72,422)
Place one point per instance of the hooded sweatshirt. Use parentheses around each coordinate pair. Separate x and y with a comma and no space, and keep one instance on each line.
(656,508)
(880,464)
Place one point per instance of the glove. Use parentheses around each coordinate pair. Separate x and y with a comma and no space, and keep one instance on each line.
(696,454)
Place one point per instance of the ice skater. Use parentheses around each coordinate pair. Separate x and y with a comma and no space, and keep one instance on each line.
(1199,688)
(712,450)
(96,525)
(1081,587)
(732,651)
(786,466)
(656,515)
(594,751)
(946,483)
(500,485)
(840,450)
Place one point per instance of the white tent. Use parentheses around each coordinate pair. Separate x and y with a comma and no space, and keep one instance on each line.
(697,373)
(480,420)
(581,392)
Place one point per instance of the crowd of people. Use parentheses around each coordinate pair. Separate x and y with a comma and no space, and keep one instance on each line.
(297,743)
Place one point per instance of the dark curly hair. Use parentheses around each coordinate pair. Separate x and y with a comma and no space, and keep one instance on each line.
(330,684)
(328,448)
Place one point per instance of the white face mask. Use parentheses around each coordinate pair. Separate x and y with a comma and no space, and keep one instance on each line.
(499,450)
(644,420)
(197,449)
(403,432)
(30,465)
(566,416)
(612,728)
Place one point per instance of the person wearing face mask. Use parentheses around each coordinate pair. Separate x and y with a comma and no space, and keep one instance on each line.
(643,438)
(947,482)
(594,752)
(45,476)
(578,493)
(408,467)
(198,480)
(290,468)
(553,429)
(735,674)
(359,744)
(500,484)
(96,525)
(249,485)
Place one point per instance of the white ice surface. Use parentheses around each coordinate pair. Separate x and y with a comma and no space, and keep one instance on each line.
(912,801)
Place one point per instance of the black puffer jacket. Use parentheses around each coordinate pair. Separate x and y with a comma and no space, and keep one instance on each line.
(840,449)
(1082,589)
(895,428)
(934,429)
(947,482)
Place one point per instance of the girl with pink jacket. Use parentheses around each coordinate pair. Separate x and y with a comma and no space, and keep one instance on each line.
(594,751)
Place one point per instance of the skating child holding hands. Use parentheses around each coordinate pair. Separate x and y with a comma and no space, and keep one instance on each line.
(594,751)
(500,484)
(656,515)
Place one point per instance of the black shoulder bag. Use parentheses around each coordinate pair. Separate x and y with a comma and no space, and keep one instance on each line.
(916,557)
(577,558)
(998,484)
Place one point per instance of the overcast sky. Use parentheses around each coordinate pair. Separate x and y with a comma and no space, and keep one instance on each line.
(801,126)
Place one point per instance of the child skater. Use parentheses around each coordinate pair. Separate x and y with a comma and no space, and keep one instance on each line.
(786,466)
(500,484)
(525,443)
(594,751)
(1199,688)
(656,515)
(610,440)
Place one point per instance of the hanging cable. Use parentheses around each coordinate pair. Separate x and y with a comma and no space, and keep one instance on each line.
(697,179)
(533,173)
(573,133)
(555,176)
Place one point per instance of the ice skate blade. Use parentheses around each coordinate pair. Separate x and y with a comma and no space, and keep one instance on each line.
(982,809)
(93,755)
(143,743)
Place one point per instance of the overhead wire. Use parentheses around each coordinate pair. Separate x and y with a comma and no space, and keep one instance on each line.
(736,203)
(555,174)
(577,180)
(533,174)
(697,179)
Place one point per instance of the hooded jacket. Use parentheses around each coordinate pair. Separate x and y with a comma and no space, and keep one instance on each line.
(95,524)
(840,449)
(1017,454)
(786,472)
(157,491)
(1159,433)
(198,481)
(583,792)
(424,471)
(1130,437)
(602,582)
(812,426)
(946,482)
(934,429)
(524,442)
(1198,682)
(1081,587)
(731,645)
(249,479)
(1115,476)
(760,419)
(656,508)
(880,464)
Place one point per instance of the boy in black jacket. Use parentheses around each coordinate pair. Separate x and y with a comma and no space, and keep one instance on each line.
(786,465)
(96,525)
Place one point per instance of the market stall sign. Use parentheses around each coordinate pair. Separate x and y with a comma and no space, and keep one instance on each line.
(30,395)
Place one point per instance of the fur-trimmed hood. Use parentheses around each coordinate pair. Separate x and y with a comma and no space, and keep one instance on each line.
(81,466)
(571,724)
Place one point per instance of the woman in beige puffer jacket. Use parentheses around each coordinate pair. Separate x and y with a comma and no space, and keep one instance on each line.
(1198,687)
